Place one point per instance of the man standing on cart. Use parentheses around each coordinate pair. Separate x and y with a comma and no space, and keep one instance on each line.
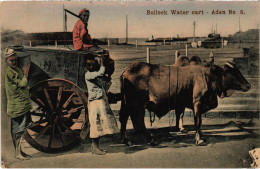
(81,38)
(82,41)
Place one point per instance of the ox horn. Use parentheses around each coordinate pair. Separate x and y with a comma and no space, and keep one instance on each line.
(229,64)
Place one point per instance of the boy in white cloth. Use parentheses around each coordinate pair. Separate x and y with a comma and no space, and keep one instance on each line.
(101,118)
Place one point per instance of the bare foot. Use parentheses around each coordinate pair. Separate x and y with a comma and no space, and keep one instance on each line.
(20,157)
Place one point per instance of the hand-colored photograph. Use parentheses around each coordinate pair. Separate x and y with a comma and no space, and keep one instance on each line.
(130,84)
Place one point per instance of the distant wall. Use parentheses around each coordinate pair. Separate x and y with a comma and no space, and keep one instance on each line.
(50,38)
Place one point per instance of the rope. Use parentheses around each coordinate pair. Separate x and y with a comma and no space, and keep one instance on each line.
(169,103)
(68,47)
(175,96)
(177,76)
(170,122)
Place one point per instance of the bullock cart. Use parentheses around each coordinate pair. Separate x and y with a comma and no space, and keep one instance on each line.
(58,91)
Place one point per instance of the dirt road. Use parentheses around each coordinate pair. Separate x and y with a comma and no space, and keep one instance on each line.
(229,141)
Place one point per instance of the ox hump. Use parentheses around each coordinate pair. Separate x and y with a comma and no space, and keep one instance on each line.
(141,68)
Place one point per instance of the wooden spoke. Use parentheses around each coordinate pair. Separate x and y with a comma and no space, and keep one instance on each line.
(38,114)
(37,100)
(60,133)
(38,123)
(51,136)
(78,120)
(40,101)
(67,115)
(44,115)
(73,110)
(59,97)
(60,106)
(68,101)
(48,98)
(41,121)
(66,127)
(43,130)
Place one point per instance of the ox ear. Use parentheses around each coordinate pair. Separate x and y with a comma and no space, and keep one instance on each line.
(228,66)
(200,86)
(216,70)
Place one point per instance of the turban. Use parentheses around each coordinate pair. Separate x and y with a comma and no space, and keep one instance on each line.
(83,10)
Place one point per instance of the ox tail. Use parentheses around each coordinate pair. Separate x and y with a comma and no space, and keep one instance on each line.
(124,113)
(123,94)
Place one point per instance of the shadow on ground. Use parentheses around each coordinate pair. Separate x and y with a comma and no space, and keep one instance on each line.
(168,138)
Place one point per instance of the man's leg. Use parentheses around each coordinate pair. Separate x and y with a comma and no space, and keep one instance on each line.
(94,135)
(17,139)
(18,125)
(95,147)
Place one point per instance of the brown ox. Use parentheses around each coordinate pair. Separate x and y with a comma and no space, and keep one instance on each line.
(162,88)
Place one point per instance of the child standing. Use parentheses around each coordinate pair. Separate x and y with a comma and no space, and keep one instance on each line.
(18,100)
(101,118)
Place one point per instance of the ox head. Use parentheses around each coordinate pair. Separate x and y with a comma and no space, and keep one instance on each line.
(228,79)
(233,80)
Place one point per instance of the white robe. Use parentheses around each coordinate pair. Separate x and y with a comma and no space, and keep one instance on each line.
(101,118)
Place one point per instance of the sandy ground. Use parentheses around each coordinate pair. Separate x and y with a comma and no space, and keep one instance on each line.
(229,140)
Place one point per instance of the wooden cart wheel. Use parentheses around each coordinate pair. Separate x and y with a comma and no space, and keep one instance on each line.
(59,116)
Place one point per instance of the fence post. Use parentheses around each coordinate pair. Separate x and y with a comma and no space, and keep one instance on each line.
(222,43)
(164,42)
(30,43)
(176,56)
(211,57)
(186,49)
(56,44)
(108,43)
(136,43)
(148,55)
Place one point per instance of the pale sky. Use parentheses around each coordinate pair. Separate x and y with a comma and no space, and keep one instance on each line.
(108,19)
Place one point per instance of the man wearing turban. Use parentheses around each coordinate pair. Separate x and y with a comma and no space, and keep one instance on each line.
(81,37)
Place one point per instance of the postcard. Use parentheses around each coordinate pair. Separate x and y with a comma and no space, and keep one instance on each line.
(129,84)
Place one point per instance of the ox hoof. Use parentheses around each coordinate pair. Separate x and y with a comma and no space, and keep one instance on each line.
(201,143)
(175,129)
(183,130)
(153,143)
(127,142)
